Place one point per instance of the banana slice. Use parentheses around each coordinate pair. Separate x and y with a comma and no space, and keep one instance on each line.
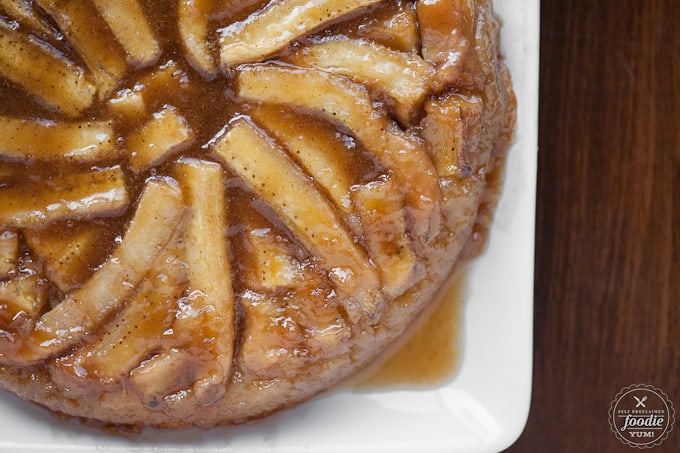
(42,72)
(128,23)
(138,330)
(23,295)
(208,312)
(83,141)
(402,78)
(332,95)
(22,11)
(277,25)
(274,344)
(128,104)
(398,31)
(90,36)
(319,313)
(451,131)
(9,253)
(286,291)
(167,132)
(448,34)
(349,104)
(272,267)
(166,378)
(75,196)
(194,16)
(267,171)
(159,214)
(165,85)
(318,149)
(420,184)
(380,206)
(67,254)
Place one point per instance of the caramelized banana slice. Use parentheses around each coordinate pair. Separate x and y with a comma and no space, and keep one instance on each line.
(89,35)
(157,378)
(128,104)
(158,215)
(402,78)
(67,254)
(349,104)
(138,330)
(83,141)
(317,148)
(447,30)
(9,253)
(23,12)
(267,171)
(23,294)
(168,81)
(380,207)
(43,73)
(326,331)
(167,132)
(194,16)
(315,307)
(333,95)
(272,267)
(277,25)
(75,196)
(397,31)
(274,344)
(275,269)
(208,312)
(272,261)
(420,184)
(166,84)
(451,131)
(128,23)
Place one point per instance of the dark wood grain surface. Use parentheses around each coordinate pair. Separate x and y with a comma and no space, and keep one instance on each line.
(607,291)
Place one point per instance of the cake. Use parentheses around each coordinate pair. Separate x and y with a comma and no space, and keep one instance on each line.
(211,211)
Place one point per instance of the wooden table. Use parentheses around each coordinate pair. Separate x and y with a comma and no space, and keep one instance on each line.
(607,288)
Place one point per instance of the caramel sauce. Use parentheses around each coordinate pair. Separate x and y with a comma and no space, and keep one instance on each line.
(430,351)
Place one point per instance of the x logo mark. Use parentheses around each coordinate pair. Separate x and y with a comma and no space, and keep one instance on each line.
(640,402)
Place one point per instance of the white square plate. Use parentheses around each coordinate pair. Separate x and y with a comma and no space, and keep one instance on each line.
(483,409)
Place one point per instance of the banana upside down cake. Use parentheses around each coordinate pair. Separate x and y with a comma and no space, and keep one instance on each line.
(212,210)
